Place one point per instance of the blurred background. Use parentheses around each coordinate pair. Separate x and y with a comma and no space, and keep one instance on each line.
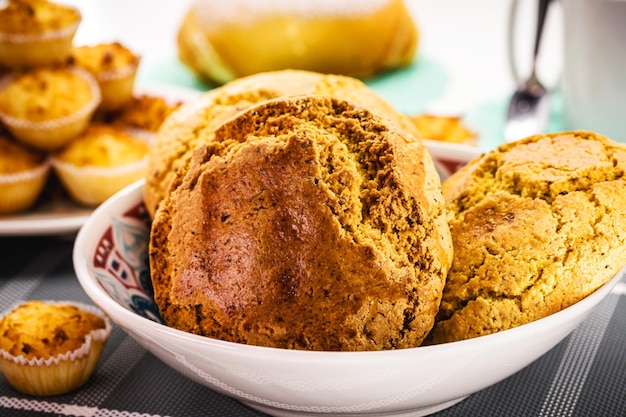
(461,67)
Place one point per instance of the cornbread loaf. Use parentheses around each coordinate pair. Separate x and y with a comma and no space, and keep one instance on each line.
(195,122)
(221,41)
(306,223)
(536,225)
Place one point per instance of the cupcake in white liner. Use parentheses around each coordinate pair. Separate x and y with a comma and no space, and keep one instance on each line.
(35,33)
(23,175)
(51,347)
(48,107)
(101,162)
(114,66)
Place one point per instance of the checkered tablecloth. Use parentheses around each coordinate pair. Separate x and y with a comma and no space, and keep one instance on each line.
(585,375)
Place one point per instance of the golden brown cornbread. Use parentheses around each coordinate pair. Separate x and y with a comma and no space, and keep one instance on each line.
(36,33)
(15,157)
(51,348)
(104,58)
(45,94)
(100,162)
(36,329)
(103,146)
(23,174)
(35,17)
(114,66)
(145,112)
(195,123)
(536,226)
(306,223)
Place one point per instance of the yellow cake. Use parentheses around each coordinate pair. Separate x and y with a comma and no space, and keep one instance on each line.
(23,174)
(100,162)
(48,107)
(50,348)
(36,33)
(114,66)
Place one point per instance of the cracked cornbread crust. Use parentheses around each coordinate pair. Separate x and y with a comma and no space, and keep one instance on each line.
(536,225)
(306,223)
(195,122)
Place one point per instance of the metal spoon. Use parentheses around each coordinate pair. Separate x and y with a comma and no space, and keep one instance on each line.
(529,108)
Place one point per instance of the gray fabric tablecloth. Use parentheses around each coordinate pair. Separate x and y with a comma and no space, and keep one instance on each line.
(585,375)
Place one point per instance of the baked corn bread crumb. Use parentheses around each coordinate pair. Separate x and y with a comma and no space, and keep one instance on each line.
(15,157)
(145,112)
(40,330)
(103,146)
(306,223)
(35,17)
(103,58)
(536,226)
(45,94)
(443,128)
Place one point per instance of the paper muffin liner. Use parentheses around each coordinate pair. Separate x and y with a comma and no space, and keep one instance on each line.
(53,134)
(117,86)
(18,50)
(19,191)
(61,373)
(91,185)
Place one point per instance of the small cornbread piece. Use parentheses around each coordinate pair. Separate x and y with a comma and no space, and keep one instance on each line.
(48,107)
(536,225)
(23,174)
(443,128)
(145,112)
(36,33)
(307,223)
(50,348)
(114,66)
(102,161)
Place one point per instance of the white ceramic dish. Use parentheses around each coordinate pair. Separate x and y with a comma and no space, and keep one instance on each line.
(59,216)
(111,262)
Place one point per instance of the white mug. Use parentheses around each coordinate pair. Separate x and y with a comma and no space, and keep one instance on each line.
(593,77)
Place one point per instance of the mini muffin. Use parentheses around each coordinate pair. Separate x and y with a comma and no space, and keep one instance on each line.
(536,226)
(145,112)
(36,33)
(51,348)
(114,66)
(100,162)
(449,129)
(23,174)
(48,107)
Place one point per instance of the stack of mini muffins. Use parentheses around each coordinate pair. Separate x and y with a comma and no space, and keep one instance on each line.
(67,109)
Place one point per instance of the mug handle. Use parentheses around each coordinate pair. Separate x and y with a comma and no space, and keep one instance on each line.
(541,17)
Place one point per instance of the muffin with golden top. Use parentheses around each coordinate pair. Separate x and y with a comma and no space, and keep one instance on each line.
(36,33)
(51,348)
(23,174)
(48,107)
(100,162)
(114,66)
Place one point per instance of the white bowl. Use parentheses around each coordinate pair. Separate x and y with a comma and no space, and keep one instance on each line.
(111,261)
